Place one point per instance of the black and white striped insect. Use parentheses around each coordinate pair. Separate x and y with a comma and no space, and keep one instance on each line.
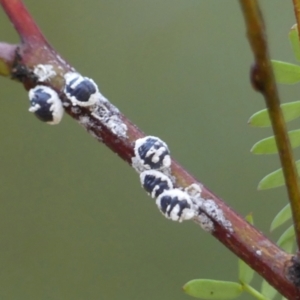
(176,205)
(152,153)
(81,91)
(155,182)
(45,104)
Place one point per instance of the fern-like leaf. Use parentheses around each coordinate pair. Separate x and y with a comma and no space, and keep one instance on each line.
(274,179)
(268,145)
(284,215)
(290,112)
(294,40)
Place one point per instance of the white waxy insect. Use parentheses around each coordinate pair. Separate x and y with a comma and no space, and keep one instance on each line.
(81,90)
(152,153)
(155,182)
(176,205)
(45,104)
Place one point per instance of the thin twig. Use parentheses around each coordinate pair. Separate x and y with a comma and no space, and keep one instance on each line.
(228,227)
(30,33)
(263,80)
(296,4)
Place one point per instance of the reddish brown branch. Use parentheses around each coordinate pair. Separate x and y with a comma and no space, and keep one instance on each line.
(23,22)
(240,237)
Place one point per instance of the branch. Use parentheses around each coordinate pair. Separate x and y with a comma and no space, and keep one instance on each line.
(297,14)
(264,82)
(224,224)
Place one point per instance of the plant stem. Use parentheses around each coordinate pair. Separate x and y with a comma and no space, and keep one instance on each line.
(228,227)
(263,80)
(22,21)
(256,294)
(296,4)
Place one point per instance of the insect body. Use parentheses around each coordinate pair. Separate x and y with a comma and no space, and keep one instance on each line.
(152,153)
(176,205)
(80,90)
(45,104)
(155,182)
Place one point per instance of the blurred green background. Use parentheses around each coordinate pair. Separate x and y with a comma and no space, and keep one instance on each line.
(74,221)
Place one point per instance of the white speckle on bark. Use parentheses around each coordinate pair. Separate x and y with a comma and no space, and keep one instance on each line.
(210,207)
(194,190)
(84,120)
(44,72)
(75,110)
(109,115)
(205,222)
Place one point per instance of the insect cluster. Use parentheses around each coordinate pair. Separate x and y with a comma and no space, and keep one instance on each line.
(46,104)
(151,155)
(81,92)
(153,161)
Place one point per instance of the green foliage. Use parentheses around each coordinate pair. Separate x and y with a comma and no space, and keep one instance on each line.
(283,216)
(267,290)
(294,40)
(286,236)
(274,179)
(288,245)
(213,289)
(285,72)
(4,68)
(221,290)
(290,112)
(268,145)
(245,272)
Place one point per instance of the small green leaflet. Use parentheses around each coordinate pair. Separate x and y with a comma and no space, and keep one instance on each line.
(290,112)
(245,272)
(285,72)
(213,289)
(249,218)
(294,39)
(287,235)
(267,290)
(284,215)
(274,179)
(4,70)
(268,145)
(288,245)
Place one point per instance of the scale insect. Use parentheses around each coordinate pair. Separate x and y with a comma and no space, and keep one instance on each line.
(176,205)
(81,91)
(152,153)
(45,104)
(155,182)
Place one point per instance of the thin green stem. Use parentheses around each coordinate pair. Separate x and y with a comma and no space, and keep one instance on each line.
(256,294)
(263,81)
